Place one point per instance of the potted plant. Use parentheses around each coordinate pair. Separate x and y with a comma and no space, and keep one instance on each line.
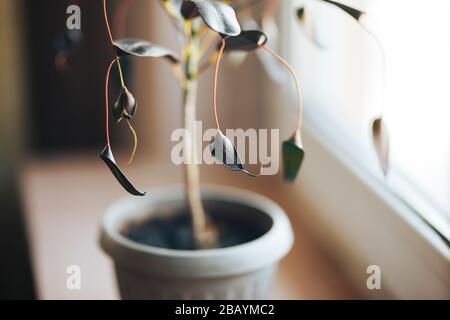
(190,242)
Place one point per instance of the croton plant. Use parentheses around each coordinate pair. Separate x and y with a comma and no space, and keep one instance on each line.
(202,25)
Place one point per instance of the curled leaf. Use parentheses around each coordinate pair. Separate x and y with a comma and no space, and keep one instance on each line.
(226,154)
(293,155)
(142,48)
(125,106)
(108,158)
(355,13)
(381,143)
(246,41)
(218,16)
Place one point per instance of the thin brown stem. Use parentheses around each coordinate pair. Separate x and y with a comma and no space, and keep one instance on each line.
(119,67)
(216,76)
(297,84)
(108,72)
(108,28)
(111,39)
(135,141)
(205,235)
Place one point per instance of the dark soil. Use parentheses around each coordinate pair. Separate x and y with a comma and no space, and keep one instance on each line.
(174,231)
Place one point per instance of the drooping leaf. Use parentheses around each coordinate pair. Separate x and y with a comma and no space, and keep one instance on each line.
(301,13)
(108,158)
(246,41)
(381,143)
(226,154)
(142,48)
(293,155)
(218,16)
(125,106)
(355,13)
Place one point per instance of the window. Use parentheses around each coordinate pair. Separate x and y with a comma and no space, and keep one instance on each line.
(343,92)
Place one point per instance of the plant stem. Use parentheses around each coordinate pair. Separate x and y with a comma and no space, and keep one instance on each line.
(297,85)
(108,72)
(190,168)
(216,75)
(205,236)
(135,141)
(111,39)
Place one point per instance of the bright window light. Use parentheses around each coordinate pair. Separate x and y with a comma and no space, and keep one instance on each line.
(343,91)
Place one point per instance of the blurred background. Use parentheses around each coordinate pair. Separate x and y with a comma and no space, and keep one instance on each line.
(346,214)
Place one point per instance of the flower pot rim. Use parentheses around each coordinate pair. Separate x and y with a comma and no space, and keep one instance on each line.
(266,249)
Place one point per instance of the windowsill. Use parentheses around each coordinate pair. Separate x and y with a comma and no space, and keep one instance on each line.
(355,217)
(66,197)
(363,223)
(342,153)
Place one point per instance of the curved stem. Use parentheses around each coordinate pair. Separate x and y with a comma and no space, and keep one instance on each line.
(108,28)
(297,84)
(111,39)
(216,75)
(108,72)
(135,141)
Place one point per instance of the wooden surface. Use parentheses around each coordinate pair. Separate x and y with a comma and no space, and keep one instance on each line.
(65,199)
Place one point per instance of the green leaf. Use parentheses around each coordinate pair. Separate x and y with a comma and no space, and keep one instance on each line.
(301,14)
(246,41)
(125,106)
(381,143)
(218,16)
(293,155)
(355,13)
(107,156)
(142,48)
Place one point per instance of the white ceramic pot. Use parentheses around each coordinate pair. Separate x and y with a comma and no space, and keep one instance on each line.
(243,271)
